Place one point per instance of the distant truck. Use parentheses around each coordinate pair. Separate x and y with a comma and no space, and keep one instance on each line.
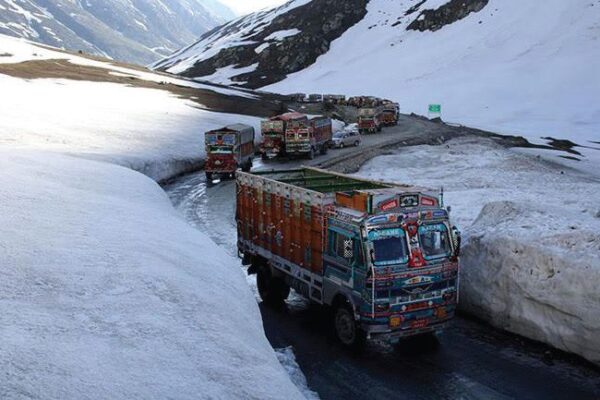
(273,134)
(370,119)
(228,149)
(306,138)
(383,256)
(390,114)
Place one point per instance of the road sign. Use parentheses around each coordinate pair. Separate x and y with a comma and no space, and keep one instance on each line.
(435,111)
(435,108)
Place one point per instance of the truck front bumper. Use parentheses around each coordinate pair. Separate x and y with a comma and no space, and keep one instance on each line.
(386,334)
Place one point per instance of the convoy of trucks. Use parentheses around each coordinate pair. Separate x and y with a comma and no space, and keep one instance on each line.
(383,256)
(228,149)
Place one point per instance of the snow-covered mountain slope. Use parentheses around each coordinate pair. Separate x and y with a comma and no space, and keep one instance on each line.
(105,291)
(139,31)
(515,67)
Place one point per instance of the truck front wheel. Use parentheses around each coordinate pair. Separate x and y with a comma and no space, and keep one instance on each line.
(347,329)
(272,290)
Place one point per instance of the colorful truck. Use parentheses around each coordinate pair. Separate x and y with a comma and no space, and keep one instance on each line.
(390,114)
(370,119)
(273,134)
(383,256)
(228,149)
(306,138)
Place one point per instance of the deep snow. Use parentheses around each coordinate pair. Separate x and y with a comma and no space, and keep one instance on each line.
(106,292)
(531,241)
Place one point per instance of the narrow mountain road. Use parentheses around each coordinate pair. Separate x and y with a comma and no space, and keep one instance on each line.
(470,361)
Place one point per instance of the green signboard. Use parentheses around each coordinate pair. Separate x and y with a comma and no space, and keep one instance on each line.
(435,108)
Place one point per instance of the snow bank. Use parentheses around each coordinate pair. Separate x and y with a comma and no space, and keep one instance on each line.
(515,67)
(107,293)
(148,130)
(531,243)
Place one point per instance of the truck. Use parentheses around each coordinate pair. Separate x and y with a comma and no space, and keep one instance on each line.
(228,149)
(390,114)
(370,119)
(306,138)
(273,134)
(383,257)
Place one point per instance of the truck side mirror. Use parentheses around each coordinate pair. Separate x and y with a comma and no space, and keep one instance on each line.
(457,241)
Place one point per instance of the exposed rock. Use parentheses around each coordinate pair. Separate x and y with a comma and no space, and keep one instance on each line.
(454,10)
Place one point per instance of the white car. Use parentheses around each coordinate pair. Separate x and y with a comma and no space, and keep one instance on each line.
(346,138)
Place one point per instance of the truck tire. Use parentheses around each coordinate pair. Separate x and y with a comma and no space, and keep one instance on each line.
(209,176)
(324,149)
(272,290)
(379,128)
(347,330)
(311,155)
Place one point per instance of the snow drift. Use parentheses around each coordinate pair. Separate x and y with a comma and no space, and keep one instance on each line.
(530,237)
(107,293)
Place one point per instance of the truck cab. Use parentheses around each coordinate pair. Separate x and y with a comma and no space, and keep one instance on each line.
(228,149)
(396,266)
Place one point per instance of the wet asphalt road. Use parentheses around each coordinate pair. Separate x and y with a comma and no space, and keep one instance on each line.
(469,361)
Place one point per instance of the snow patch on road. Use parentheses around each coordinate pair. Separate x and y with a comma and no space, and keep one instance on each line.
(531,235)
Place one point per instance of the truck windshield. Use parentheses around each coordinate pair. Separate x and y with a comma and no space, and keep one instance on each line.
(220,149)
(389,246)
(435,240)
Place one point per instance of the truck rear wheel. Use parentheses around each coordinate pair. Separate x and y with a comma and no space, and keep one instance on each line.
(311,155)
(209,176)
(347,329)
(324,149)
(272,290)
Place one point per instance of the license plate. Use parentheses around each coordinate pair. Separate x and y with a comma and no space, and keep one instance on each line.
(422,323)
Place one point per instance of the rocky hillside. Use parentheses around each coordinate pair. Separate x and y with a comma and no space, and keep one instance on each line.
(139,31)
(263,48)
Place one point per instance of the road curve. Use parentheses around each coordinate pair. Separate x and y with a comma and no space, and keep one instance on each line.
(470,360)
